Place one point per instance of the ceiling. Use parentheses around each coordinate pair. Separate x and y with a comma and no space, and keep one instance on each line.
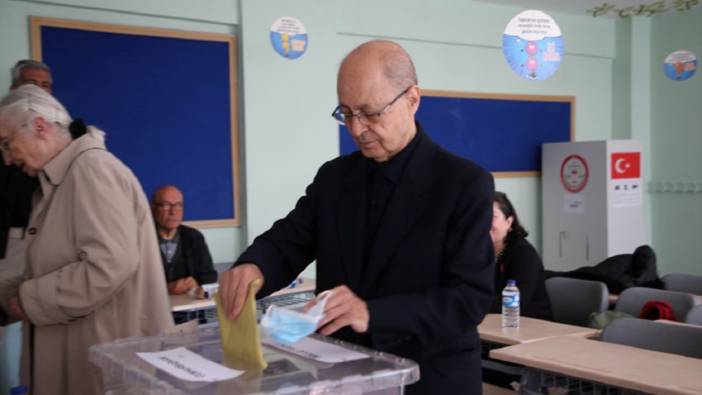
(604,9)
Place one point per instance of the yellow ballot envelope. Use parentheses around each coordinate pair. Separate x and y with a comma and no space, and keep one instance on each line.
(240,338)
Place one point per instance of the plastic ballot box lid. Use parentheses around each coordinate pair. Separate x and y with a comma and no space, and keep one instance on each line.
(125,372)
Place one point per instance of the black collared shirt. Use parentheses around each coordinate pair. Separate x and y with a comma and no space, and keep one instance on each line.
(381,180)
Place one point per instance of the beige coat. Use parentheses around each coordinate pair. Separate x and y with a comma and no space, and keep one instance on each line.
(94,271)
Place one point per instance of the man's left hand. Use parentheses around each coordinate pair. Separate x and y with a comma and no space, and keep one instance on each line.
(344,308)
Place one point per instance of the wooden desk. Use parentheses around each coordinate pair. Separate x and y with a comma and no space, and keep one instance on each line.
(607,363)
(530,330)
(187,303)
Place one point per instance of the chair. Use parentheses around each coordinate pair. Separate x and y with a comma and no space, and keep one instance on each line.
(633,299)
(683,282)
(694,316)
(657,336)
(572,300)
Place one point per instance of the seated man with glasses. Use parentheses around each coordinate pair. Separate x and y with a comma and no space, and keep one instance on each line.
(186,259)
(399,231)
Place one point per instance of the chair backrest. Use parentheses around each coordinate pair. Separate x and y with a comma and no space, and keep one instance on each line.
(572,299)
(633,299)
(694,316)
(657,336)
(682,282)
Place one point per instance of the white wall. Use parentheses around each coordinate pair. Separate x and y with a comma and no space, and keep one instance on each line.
(676,146)
(287,132)
(456,45)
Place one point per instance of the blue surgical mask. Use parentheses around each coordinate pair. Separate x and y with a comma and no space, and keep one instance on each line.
(287,326)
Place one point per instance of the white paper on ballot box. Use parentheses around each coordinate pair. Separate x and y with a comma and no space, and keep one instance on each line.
(317,350)
(186,365)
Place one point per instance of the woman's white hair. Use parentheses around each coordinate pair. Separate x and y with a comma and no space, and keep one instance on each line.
(27,102)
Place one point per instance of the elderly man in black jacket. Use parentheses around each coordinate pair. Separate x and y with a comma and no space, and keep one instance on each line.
(399,230)
(186,259)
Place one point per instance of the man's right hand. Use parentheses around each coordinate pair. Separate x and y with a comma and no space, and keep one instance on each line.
(233,287)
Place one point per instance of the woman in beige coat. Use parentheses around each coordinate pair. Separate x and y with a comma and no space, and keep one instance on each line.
(93,267)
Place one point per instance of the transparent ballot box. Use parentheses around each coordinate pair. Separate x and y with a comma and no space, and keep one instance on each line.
(124,372)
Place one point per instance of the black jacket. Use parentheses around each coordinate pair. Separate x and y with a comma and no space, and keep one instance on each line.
(620,272)
(522,263)
(192,258)
(428,281)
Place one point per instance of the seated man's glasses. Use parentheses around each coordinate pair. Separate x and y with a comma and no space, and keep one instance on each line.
(170,206)
(343,116)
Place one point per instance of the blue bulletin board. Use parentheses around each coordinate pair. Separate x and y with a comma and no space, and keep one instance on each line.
(166,100)
(502,133)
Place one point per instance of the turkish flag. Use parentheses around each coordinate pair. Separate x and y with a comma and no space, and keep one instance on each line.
(626,165)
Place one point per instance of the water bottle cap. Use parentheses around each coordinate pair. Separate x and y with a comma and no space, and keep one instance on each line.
(511,283)
(19,390)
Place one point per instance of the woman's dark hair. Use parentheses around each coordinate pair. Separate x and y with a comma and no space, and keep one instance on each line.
(517,231)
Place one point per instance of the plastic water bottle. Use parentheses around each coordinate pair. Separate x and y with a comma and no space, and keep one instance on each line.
(510,305)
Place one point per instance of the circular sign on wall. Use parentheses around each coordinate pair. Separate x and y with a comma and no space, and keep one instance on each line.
(574,173)
(289,37)
(533,45)
(680,65)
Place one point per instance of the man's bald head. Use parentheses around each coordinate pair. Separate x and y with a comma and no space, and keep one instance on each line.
(385,57)
(165,189)
(379,97)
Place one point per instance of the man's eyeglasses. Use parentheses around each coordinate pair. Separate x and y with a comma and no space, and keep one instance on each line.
(344,117)
(170,206)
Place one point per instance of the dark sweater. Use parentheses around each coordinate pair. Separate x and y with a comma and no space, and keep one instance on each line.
(192,258)
(520,261)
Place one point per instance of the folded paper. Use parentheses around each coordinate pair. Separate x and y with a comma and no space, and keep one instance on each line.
(240,338)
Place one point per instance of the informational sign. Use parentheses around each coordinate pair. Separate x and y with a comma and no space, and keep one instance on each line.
(626,179)
(680,65)
(289,37)
(574,173)
(533,45)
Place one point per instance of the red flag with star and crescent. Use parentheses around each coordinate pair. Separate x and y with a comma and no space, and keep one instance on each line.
(626,165)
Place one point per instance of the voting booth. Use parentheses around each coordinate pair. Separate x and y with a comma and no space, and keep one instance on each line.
(320,365)
(592,202)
